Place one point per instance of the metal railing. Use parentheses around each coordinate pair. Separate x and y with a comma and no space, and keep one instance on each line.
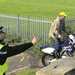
(26,27)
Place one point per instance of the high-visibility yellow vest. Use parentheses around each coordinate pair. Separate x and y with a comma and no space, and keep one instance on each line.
(4,67)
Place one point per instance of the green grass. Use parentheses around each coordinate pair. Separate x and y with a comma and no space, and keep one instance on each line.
(27,72)
(37,7)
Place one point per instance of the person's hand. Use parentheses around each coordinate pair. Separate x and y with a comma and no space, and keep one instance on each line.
(34,40)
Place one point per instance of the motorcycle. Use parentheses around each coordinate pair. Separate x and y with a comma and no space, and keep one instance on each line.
(50,54)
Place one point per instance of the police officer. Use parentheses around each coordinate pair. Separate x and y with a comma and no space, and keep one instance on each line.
(8,51)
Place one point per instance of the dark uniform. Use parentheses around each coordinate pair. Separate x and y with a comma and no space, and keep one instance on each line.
(8,51)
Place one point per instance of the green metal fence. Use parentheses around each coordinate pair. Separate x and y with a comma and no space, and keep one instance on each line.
(26,27)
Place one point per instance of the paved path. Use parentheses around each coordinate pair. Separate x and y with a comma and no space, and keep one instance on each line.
(20,62)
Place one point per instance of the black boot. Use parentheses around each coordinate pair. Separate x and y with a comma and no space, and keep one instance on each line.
(4,74)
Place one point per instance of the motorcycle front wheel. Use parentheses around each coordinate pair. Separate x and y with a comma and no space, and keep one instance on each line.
(47,59)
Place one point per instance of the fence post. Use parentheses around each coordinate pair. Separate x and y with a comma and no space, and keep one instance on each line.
(18,27)
(29,30)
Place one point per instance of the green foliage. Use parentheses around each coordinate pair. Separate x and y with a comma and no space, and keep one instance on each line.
(27,72)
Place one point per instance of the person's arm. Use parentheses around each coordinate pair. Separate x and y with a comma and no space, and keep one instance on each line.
(11,51)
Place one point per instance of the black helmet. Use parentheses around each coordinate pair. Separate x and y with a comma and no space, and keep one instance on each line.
(1,28)
(2,34)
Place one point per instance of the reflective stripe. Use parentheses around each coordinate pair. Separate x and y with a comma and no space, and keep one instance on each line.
(3,52)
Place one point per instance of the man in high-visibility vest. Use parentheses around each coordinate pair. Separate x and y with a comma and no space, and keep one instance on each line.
(8,51)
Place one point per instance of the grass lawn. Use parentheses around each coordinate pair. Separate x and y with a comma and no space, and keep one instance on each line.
(37,7)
